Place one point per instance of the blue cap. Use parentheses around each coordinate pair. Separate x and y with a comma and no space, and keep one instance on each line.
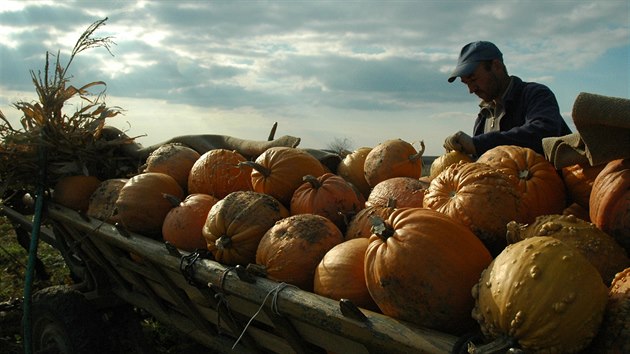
(472,54)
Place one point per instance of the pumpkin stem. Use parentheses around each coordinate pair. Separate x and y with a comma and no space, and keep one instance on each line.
(256,166)
(380,227)
(513,232)
(315,183)
(418,155)
(223,242)
(499,345)
(172,199)
(257,269)
(524,174)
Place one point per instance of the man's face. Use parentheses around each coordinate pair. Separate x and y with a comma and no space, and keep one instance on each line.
(483,82)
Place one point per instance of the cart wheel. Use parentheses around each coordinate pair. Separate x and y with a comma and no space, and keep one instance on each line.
(64,322)
(124,325)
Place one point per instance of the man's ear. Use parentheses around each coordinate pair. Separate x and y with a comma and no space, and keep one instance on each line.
(497,64)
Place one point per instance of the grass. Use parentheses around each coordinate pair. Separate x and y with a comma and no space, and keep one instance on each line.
(13,263)
(14,260)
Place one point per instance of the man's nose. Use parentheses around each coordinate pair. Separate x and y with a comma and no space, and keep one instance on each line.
(472,88)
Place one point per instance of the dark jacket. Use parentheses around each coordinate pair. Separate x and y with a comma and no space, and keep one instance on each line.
(531,114)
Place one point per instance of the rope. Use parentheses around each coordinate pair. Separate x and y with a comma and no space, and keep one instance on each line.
(274,307)
(32,251)
(186,266)
(222,301)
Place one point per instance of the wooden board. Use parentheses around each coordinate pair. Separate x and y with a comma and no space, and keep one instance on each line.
(212,304)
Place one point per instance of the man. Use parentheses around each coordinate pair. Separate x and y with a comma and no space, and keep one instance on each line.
(512,112)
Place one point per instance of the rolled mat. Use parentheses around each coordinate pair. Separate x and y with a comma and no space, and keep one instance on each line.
(603,125)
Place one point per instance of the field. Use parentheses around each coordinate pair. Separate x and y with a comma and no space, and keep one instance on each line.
(13,262)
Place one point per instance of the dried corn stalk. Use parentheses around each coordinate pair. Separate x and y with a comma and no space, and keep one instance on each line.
(71,144)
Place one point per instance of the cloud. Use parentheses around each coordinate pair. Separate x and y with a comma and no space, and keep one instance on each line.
(371,63)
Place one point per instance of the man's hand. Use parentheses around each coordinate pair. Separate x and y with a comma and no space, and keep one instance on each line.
(461,142)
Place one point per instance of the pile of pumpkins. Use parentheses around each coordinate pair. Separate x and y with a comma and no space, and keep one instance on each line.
(533,257)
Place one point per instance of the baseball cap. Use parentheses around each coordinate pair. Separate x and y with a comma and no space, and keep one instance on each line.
(471,55)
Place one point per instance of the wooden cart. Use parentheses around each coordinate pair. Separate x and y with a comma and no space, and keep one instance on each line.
(227,309)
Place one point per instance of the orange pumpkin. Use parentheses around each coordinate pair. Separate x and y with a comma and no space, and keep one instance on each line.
(443,161)
(420,266)
(341,274)
(291,249)
(578,211)
(236,223)
(351,169)
(74,192)
(360,225)
(182,226)
(142,205)
(328,195)
(614,334)
(541,186)
(278,171)
(392,158)
(478,196)
(609,204)
(219,172)
(405,191)
(102,204)
(173,159)
(578,180)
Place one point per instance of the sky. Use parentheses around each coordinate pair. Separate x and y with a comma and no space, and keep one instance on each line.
(351,72)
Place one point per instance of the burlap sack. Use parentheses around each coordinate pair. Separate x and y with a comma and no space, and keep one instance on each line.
(603,125)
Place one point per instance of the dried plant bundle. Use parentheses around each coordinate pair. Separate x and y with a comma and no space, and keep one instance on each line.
(53,143)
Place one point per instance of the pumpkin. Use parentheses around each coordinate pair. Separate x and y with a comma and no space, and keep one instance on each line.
(351,169)
(102,204)
(341,275)
(173,159)
(278,171)
(235,224)
(406,191)
(74,192)
(578,180)
(541,294)
(614,333)
(578,211)
(291,250)
(360,225)
(598,247)
(392,158)
(182,226)
(541,186)
(328,195)
(219,172)
(141,203)
(443,161)
(480,197)
(420,266)
(609,204)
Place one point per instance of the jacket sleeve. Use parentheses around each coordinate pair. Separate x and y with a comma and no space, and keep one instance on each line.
(541,118)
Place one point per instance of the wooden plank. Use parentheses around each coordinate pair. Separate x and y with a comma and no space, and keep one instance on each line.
(318,320)
(218,342)
(45,234)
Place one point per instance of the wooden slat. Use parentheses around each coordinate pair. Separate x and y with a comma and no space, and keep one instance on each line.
(45,234)
(316,319)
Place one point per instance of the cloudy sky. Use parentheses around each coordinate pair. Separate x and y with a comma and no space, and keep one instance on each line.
(359,71)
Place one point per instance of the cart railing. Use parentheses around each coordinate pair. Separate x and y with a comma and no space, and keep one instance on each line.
(228,309)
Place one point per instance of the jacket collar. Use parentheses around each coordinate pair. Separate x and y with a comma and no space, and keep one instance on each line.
(513,89)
